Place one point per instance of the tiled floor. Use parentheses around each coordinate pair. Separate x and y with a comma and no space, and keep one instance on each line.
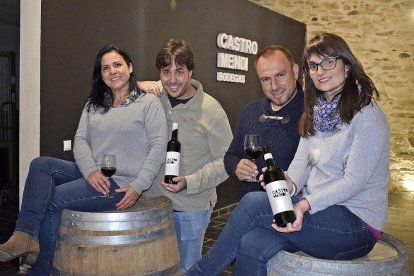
(400,224)
(218,220)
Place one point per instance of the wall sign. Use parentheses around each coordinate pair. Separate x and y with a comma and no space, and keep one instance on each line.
(233,61)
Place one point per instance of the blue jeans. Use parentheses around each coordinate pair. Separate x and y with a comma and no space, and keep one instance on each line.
(191,227)
(52,185)
(334,233)
(247,187)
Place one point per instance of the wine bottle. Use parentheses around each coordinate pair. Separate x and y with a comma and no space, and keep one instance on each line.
(277,191)
(172,162)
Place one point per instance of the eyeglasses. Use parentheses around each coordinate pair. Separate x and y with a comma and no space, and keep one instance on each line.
(326,64)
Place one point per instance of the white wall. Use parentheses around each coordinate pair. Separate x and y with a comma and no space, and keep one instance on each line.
(29,144)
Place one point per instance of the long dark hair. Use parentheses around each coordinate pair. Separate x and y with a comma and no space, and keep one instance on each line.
(101,96)
(358,89)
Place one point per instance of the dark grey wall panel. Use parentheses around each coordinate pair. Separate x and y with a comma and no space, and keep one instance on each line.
(73,32)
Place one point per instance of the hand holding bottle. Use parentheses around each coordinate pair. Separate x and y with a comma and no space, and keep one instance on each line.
(172,162)
(291,185)
(180,184)
(300,209)
(277,191)
(291,227)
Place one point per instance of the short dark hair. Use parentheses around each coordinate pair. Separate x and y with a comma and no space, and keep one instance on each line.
(269,50)
(177,51)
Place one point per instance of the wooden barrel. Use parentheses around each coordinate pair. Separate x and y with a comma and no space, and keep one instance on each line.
(388,257)
(138,241)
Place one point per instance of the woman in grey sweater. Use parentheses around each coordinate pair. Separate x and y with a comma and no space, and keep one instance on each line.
(118,119)
(341,169)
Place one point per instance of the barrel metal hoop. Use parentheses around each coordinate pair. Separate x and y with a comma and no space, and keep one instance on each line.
(116,240)
(115,215)
(114,226)
(285,263)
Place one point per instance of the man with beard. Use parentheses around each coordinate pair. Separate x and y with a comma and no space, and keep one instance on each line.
(204,133)
(278,74)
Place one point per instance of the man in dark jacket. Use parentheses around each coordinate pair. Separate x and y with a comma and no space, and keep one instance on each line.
(283,100)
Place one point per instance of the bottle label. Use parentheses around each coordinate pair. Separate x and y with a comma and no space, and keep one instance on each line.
(172,163)
(267,156)
(279,197)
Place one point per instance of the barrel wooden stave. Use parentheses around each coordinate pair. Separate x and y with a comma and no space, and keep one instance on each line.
(388,258)
(138,241)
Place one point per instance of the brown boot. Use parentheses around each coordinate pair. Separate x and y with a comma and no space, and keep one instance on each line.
(19,244)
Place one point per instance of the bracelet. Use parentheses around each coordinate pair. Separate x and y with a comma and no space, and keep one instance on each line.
(294,189)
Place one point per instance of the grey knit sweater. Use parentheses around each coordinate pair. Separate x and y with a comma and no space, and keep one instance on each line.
(136,134)
(349,167)
(205,134)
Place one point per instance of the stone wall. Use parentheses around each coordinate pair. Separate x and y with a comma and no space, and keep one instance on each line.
(381,34)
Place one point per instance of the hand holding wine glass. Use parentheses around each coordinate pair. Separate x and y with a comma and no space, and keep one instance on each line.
(253,150)
(108,166)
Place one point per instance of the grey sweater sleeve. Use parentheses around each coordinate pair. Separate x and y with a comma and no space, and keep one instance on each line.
(213,173)
(156,127)
(82,147)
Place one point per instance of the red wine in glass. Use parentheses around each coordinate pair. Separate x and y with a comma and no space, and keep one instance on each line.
(253,154)
(108,171)
(108,165)
(253,150)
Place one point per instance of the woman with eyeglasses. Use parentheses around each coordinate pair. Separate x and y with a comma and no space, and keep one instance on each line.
(341,170)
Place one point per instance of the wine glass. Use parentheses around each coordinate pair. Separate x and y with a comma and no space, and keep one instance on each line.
(108,166)
(253,150)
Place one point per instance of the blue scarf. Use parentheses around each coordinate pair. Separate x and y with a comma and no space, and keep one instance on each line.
(325,115)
